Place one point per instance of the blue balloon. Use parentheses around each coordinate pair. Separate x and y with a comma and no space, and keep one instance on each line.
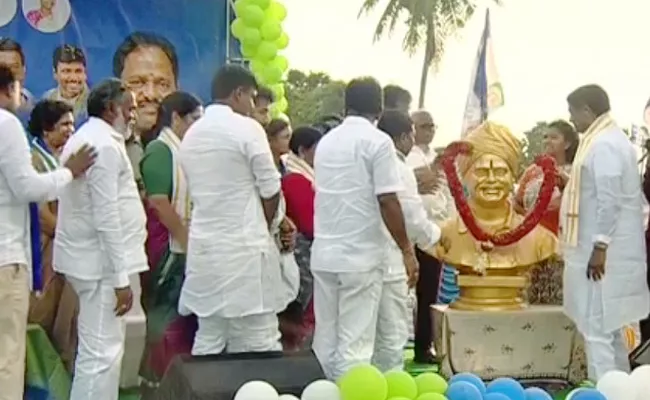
(495,396)
(537,394)
(588,394)
(507,386)
(463,391)
(469,378)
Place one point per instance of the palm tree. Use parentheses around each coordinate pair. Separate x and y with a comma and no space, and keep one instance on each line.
(429,23)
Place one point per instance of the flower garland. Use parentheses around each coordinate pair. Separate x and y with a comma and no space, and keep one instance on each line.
(545,162)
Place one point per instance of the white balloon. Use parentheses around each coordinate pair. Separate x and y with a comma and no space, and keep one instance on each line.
(256,390)
(321,390)
(615,385)
(640,378)
(288,397)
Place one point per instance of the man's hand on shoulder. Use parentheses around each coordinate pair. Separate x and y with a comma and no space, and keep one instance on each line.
(79,162)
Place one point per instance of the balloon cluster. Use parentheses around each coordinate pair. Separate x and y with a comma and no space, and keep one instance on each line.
(617,385)
(317,390)
(258,27)
(367,383)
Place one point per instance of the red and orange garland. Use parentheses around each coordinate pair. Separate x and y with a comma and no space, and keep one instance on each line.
(546,163)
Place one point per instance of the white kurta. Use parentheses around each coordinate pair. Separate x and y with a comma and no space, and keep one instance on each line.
(393,318)
(354,163)
(611,211)
(231,272)
(99,244)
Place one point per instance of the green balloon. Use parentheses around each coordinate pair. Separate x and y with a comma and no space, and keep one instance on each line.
(251,37)
(432,396)
(429,382)
(263,4)
(399,398)
(238,28)
(283,41)
(271,30)
(276,11)
(281,62)
(257,66)
(247,51)
(401,384)
(278,90)
(240,7)
(267,51)
(363,382)
(282,105)
(253,16)
(272,74)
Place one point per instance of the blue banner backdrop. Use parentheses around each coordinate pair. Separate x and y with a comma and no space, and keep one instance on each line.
(196,28)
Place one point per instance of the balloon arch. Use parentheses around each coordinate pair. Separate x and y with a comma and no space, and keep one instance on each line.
(258,28)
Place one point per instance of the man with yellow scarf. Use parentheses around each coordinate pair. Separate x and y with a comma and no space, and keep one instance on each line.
(602,232)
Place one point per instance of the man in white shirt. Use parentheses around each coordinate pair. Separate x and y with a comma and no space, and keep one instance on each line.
(99,242)
(392,325)
(232,278)
(357,180)
(603,235)
(19,185)
(437,200)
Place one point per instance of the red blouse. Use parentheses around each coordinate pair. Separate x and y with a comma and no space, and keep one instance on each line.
(299,195)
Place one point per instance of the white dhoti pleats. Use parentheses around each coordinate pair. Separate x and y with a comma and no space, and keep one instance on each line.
(392,326)
(345,307)
(101,342)
(252,333)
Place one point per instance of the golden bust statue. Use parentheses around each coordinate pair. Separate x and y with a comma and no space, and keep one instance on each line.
(492,277)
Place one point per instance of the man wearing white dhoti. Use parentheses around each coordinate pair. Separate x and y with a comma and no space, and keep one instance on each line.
(393,319)
(602,233)
(99,242)
(357,180)
(232,272)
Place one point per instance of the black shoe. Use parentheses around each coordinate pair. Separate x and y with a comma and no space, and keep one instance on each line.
(425,358)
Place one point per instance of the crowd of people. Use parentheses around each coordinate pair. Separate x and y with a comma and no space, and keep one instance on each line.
(251,236)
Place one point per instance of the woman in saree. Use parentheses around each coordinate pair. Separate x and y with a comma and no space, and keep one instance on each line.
(560,142)
(168,334)
(297,321)
(51,123)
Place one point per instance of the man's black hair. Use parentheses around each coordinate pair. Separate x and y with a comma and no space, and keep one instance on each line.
(138,40)
(264,93)
(103,95)
(364,96)
(393,94)
(8,44)
(395,123)
(45,115)
(7,77)
(304,137)
(592,96)
(230,78)
(67,54)
(327,123)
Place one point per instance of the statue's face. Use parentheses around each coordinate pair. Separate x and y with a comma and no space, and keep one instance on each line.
(489,181)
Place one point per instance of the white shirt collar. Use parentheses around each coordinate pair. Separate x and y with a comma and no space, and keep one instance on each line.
(356,120)
(101,124)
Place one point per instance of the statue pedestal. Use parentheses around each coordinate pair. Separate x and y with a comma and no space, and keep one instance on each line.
(538,342)
(490,293)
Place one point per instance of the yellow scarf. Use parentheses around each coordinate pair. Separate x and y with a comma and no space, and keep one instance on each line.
(571,196)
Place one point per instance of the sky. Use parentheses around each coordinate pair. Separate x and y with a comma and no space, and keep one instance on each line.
(543,48)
